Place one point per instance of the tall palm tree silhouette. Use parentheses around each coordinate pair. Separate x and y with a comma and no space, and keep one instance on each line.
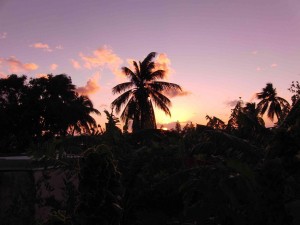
(271,103)
(145,86)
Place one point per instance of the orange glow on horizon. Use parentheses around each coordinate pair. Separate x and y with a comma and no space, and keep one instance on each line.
(177,114)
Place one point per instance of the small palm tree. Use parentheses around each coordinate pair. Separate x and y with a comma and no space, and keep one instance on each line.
(249,120)
(138,94)
(215,123)
(253,115)
(80,118)
(271,103)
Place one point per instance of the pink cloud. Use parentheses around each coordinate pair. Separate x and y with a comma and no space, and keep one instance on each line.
(43,46)
(40,75)
(163,63)
(30,66)
(75,64)
(232,103)
(92,85)
(3,35)
(53,66)
(101,58)
(2,75)
(273,65)
(15,66)
(258,69)
(59,47)
(176,93)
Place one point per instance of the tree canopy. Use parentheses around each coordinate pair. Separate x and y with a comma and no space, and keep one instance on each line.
(271,103)
(39,107)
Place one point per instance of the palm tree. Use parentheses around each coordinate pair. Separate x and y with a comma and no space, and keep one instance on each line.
(80,118)
(250,123)
(145,86)
(252,115)
(271,103)
(59,107)
(215,123)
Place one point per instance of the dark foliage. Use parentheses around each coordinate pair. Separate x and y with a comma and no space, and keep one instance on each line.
(41,108)
(138,95)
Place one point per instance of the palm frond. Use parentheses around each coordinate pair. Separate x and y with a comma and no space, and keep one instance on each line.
(149,58)
(122,87)
(130,109)
(96,111)
(282,101)
(150,66)
(137,69)
(131,75)
(146,70)
(161,101)
(271,111)
(158,74)
(278,109)
(262,106)
(121,100)
(164,86)
(128,72)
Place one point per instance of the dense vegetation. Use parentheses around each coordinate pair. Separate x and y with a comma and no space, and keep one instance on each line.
(235,173)
(198,175)
(32,111)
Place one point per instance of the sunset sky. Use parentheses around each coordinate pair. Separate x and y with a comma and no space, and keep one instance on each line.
(217,50)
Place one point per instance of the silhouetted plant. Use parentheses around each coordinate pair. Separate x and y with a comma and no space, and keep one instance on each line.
(138,94)
(215,123)
(295,89)
(100,190)
(233,124)
(271,103)
(178,127)
(40,109)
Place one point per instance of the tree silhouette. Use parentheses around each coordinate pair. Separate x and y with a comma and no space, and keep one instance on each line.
(295,89)
(178,127)
(233,124)
(215,123)
(271,103)
(251,124)
(81,108)
(61,106)
(138,94)
(14,129)
(251,116)
(47,106)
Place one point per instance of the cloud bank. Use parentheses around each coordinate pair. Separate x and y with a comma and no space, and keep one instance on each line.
(15,66)
(273,65)
(53,66)
(232,103)
(3,35)
(92,85)
(75,64)
(45,47)
(176,93)
(162,62)
(101,58)
(40,45)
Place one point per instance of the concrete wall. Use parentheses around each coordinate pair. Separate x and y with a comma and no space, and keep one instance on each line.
(21,188)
